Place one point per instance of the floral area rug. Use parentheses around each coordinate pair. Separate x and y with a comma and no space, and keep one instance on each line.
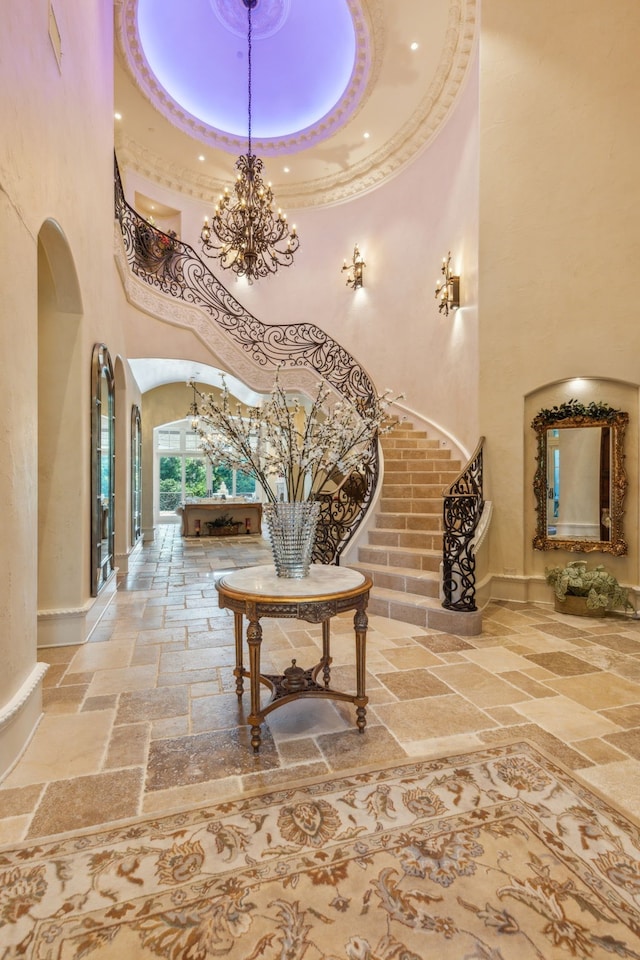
(490,855)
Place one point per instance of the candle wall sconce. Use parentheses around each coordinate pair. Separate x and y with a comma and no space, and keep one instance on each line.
(355,270)
(448,289)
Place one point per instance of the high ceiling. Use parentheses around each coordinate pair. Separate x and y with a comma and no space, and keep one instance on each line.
(340,100)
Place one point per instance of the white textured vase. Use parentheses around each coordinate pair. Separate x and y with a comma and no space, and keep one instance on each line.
(292,529)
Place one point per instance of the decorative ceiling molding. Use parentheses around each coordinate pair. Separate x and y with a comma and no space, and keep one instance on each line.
(136,64)
(359,178)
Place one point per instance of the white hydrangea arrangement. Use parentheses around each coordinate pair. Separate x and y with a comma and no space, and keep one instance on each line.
(282,439)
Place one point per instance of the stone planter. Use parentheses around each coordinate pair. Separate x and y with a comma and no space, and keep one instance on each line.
(577,607)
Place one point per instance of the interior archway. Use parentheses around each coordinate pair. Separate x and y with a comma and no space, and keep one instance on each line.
(62,424)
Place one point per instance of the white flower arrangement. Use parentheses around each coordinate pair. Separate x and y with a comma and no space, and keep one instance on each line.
(282,439)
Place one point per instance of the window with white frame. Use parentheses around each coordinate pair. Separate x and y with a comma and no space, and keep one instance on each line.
(184,472)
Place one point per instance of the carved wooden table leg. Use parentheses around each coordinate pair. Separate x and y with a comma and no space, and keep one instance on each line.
(254,641)
(257,592)
(239,670)
(360,623)
(326,652)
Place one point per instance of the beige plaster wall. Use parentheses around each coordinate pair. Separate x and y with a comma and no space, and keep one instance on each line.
(559,240)
(55,166)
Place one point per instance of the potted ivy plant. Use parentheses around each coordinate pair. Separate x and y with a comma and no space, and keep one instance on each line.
(223,526)
(586,592)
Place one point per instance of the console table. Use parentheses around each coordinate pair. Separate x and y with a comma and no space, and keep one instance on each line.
(256,592)
(195,516)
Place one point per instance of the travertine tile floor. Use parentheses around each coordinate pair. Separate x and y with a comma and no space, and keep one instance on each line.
(144,717)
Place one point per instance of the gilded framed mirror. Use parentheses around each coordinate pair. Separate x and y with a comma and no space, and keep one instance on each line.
(580,480)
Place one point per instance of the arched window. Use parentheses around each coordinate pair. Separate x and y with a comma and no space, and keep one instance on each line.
(185,473)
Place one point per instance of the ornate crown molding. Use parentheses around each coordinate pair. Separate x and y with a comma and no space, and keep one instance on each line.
(412,137)
(140,72)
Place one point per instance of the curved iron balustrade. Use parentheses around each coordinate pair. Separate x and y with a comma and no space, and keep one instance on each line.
(462,509)
(174,268)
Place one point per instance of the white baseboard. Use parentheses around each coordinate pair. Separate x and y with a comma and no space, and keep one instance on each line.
(70,627)
(19,719)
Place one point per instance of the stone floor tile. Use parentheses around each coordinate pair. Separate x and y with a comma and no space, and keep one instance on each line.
(432,716)
(412,684)
(562,664)
(165,630)
(86,801)
(598,690)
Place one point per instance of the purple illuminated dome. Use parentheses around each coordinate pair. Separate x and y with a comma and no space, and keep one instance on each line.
(309,63)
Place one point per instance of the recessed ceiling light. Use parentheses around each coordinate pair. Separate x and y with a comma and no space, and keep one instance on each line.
(287,169)
(414,45)
(201,158)
(117,116)
(366,136)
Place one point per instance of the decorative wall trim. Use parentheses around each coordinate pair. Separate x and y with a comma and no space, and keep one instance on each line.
(11,709)
(140,72)
(19,719)
(358,178)
(72,626)
(123,559)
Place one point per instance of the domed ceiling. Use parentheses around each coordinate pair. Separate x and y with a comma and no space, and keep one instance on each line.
(344,92)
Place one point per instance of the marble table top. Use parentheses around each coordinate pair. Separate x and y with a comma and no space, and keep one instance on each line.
(262,581)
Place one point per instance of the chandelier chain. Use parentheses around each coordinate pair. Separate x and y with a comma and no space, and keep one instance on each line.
(249,48)
(245,233)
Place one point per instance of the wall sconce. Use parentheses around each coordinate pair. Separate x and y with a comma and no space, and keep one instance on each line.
(355,270)
(448,290)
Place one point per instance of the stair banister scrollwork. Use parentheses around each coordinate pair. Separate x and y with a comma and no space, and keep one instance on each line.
(173,268)
(462,510)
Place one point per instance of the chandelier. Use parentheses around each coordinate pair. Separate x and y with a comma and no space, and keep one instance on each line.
(244,233)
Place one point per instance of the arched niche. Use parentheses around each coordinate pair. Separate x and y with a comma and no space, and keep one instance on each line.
(62,432)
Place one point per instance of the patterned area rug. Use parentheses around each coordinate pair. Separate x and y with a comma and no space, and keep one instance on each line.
(490,855)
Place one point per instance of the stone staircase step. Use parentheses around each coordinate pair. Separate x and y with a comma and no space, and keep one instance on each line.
(424,583)
(410,491)
(415,443)
(414,453)
(409,521)
(404,549)
(404,504)
(401,557)
(411,477)
(441,468)
(417,539)
(407,607)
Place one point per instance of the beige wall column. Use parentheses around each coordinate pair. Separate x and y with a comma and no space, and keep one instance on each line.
(21,676)
(559,242)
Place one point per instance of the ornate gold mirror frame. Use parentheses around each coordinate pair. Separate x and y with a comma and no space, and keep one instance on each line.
(570,472)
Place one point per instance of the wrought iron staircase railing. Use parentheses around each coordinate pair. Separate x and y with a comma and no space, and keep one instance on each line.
(462,510)
(173,268)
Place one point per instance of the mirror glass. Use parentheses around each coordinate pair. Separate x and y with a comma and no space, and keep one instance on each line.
(136,475)
(102,468)
(580,481)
